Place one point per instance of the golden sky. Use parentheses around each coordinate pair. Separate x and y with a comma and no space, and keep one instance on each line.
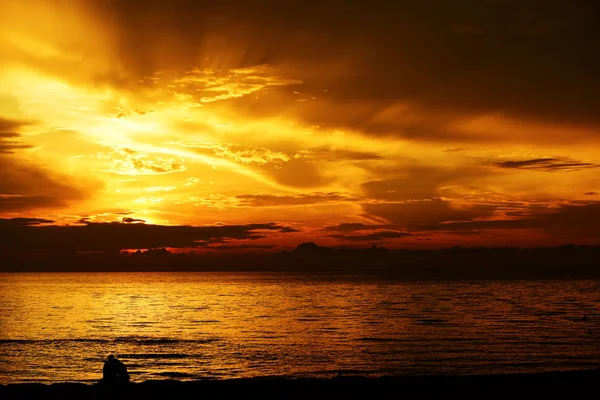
(271,123)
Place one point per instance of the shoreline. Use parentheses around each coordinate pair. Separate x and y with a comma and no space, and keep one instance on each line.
(566,383)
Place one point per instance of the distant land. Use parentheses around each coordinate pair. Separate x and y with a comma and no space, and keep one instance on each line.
(567,261)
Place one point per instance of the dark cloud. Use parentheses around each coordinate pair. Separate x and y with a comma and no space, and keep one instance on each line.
(547,164)
(417,215)
(243,247)
(591,193)
(347,227)
(417,182)
(22,222)
(569,221)
(358,232)
(412,200)
(372,237)
(132,220)
(445,60)
(25,187)
(9,138)
(520,58)
(268,200)
(27,235)
(9,126)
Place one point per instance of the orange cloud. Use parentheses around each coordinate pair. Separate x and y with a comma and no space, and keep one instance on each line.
(191,113)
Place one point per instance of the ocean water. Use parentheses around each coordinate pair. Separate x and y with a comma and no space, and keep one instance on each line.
(60,327)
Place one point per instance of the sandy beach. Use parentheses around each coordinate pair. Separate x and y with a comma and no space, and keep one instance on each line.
(574,384)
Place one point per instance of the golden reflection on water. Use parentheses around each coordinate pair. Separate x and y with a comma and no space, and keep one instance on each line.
(231,325)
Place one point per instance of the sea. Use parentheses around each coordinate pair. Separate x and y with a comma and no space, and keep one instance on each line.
(60,327)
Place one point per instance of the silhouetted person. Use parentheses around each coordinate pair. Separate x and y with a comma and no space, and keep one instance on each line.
(114,371)
(123,374)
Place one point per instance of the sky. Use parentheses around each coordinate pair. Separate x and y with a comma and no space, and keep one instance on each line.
(264,124)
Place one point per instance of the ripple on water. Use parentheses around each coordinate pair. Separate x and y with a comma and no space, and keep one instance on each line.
(241,325)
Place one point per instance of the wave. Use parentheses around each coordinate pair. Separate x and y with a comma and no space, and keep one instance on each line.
(153,355)
(139,341)
(176,375)
(376,339)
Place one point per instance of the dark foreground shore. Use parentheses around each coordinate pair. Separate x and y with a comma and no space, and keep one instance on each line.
(569,384)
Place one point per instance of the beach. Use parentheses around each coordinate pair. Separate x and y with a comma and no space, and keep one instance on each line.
(574,384)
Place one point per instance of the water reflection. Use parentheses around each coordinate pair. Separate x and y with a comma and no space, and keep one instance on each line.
(62,326)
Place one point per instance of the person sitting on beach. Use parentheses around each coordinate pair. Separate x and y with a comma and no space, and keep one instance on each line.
(114,371)
(122,372)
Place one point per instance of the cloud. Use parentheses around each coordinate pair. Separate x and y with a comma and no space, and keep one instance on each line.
(160,188)
(326,154)
(238,153)
(413,200)
(269,200)
(448,59)
(372,237)
(9,138)
(124,161)
(132,220)
(28,235)
(417,215)
(25,185)
(347,227)
(300,173)
(249,155)
(540,85)
(243,247)
(577,220)
(591,193)
(419,182)
(547,164)
(28,187)
(22,222)
(359,232)
(8,125)
(295,104)
(393,68)
(218,201)
(208,85)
